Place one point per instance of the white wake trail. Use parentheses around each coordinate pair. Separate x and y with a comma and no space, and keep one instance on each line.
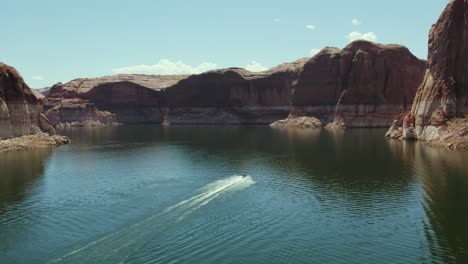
(211,191)
(123,239)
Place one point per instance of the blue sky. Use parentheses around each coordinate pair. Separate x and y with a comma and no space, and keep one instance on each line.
(50,41)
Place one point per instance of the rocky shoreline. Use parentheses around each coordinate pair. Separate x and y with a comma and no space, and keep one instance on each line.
(453,136)
(28,142)
(298,122)
(363,85)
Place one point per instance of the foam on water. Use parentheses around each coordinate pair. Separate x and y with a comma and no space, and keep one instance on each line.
(118,246)
(212,190)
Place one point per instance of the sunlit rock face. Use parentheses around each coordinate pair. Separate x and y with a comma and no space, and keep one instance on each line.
(443,94)
(20,109)
(298,122)
(363,85)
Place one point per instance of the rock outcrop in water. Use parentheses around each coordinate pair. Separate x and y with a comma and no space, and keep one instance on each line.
(298,122)
(363,85)
(443,95)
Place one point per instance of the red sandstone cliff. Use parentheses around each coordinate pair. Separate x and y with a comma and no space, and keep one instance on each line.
(229,96)
(444,92)
(363,85)
(108,100)
(20,109)
(234,96)
(443,95)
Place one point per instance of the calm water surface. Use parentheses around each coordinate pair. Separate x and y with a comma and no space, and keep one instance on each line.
(146,194)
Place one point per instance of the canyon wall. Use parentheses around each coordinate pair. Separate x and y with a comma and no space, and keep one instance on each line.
(363,85)
(232,96)
(443,94)
(20,110)
(108,100)
(228,96)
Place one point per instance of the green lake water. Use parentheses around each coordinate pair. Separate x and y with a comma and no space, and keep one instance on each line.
(148,194)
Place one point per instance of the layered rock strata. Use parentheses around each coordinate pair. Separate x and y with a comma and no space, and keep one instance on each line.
(108,100)
(22,124)
(20,109)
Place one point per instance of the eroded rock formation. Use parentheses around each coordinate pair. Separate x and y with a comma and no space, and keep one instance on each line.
(443,94)
(20,109)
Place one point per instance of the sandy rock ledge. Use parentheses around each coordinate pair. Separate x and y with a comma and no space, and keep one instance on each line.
(32,141)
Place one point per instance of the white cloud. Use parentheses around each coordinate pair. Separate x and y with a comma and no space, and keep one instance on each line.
(356,22)
(370,36)
(276,20)
(311,27)
(254,66)
(314,52)
(166,67)
(38,78)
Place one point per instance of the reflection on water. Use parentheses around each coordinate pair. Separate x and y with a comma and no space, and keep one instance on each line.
(444,179)
(18,171)
(319,197)
(136,236)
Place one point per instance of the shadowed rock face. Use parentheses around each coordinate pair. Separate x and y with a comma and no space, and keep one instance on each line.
(233,96)
(78,112)
(130,102)
(363,85)
(229,96)
(443,94)
(20,110)
(108,100)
